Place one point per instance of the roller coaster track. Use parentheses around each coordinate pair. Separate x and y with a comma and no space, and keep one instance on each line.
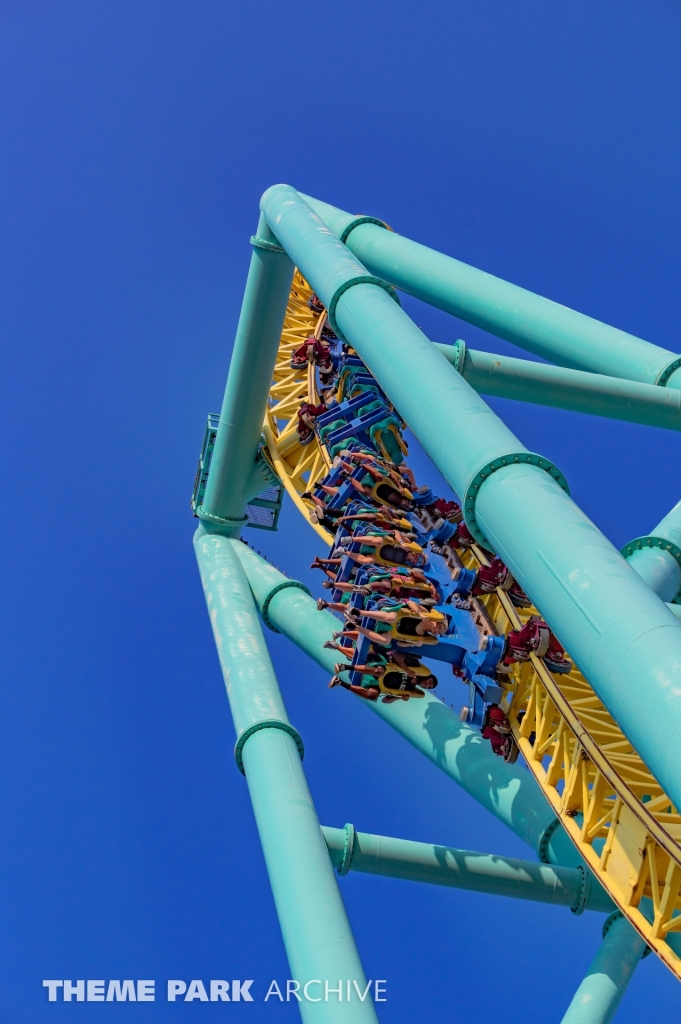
(297,467)
(612,808)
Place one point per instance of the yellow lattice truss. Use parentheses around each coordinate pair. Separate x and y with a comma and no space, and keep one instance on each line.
(617,815)
(298,467)
(614,811)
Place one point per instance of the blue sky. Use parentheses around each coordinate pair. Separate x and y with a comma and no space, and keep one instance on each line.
(538,141)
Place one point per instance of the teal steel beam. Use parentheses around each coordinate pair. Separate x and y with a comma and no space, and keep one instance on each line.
(507,791)
(621,635)
(657,557)
(556,386)
(248,384)
(315,928)
(463,869)
(539,325)
(599,995)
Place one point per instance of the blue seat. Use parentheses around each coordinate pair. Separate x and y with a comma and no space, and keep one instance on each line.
(480,670)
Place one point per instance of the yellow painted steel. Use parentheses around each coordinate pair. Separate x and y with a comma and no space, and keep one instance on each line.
(298,467)
(614,811)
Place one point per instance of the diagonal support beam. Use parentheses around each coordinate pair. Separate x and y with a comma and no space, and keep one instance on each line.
(506,791)
(248,384)
(598,997)
(624,639)
(530,321)
(315,928)
(464,869)
(560,388)
(657,557)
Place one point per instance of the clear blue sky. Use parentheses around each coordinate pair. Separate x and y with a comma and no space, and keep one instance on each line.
(538,141)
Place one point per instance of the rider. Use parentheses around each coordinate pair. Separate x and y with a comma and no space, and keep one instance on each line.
(389,553)
(420,625)
(392,672)
(392,581)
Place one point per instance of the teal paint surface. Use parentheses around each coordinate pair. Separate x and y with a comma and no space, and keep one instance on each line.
(314,925)
(508,791)
(658,566)
(621,635)
(530,321)
(659,570)
(597,998)
(669,528)
(248,384)
(464,869)
(329,265)
(252,687)
(562,388)
(619,632)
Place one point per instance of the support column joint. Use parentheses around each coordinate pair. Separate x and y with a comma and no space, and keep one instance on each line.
(272,723)
(362,279)
(639,543)
(501,462)
(268,600)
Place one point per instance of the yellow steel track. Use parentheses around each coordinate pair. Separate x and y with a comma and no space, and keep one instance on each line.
(298,467)
(614,811)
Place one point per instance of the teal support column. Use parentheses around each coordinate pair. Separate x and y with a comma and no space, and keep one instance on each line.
(316,932)
(248,383)
(507,791)
(597,998)
(561,388)
(539,325)
(620,634)
(657,558)
(659,569)
(464,869)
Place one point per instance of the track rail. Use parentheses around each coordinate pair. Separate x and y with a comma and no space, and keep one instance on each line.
(615,812)
(612,808)
(298,467)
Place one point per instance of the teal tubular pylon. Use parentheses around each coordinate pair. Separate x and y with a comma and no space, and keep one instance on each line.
(620,634)
(248,384)
(561,388)
(319,943)
(657,558)
(464,869)
(508,791)
(597,998)
(539,325)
